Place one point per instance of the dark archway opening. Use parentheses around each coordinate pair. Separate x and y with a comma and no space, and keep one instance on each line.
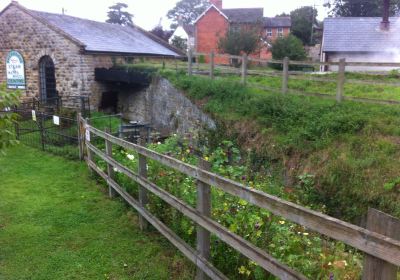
(48,89)
(109,102)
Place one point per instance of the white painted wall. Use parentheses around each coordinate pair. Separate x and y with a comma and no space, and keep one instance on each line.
(364,57)
(180,32)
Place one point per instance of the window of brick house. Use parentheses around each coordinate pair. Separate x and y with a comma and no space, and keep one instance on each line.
(280,32)
(269,32)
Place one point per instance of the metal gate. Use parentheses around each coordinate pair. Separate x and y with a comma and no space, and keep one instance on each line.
(51,133)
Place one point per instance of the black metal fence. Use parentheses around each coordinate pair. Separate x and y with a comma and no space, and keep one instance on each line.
(57,105)
(55,134)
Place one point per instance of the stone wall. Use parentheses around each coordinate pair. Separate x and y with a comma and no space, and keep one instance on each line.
(164,107)
(34,39)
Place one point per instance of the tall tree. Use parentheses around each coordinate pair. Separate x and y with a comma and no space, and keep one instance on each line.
(187,11)
(360,8)
(118,16)
(303,21)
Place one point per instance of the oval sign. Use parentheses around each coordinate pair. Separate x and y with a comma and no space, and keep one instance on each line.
(15,70)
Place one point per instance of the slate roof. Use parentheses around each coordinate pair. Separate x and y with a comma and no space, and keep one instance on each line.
(108,38)
(252,15)
(277,22)
(360,34)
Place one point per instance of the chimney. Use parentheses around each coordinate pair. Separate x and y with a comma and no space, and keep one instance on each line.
(217,3)
(385,18)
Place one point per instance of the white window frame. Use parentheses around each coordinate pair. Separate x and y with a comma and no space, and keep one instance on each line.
(269,32)
(280,31)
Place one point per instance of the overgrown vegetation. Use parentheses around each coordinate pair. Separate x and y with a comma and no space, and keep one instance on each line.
(7,100)
(56,224)
(310,253)
(349,148)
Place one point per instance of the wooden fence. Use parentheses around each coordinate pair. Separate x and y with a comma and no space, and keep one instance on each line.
(379,243)
(286,74)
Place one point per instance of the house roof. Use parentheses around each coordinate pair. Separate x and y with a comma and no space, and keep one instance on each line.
(244,15)
(249,15)
(102,37)
(277,22)
(359,34)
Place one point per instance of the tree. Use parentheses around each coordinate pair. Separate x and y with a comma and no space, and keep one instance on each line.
(161,33)
(289,46)
(236,42)
(303,21)
(116,15)
(187,11)
(7,100)
(180,43)
(283,14)
(361,8)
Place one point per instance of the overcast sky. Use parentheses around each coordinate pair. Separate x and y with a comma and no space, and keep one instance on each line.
(147,13)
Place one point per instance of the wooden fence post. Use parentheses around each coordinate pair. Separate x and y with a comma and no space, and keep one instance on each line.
(244,68)
(190,62)
(143,196)
(204,207)
(80,138)
(110,171)
(88,151)
(341,80)
(212,65)
(285,75)
(374,268)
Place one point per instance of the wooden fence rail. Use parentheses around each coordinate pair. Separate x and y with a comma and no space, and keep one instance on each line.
(287,74)
(380,246)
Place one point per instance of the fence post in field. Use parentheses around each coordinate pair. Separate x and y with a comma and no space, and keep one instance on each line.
(212,65)
(110,171)
(204,207)
(389,226)
(88,151)
(244,68)
(80,139)
(143,196)
(285,75)
(341,80)
(190,62)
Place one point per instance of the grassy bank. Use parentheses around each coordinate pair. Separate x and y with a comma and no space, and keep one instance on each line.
(349,152)
(55,223)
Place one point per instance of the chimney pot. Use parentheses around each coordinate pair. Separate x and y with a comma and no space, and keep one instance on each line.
(217,3)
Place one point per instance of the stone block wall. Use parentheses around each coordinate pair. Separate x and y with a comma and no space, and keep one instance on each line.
(34,39)
(167,109)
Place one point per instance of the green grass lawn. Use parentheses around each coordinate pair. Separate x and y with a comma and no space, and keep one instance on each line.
(57,223)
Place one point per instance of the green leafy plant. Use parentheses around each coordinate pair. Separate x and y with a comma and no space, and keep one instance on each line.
(8,99)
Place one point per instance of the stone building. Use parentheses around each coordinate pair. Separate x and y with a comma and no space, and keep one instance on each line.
(60,52)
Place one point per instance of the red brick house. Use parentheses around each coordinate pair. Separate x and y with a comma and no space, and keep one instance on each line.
(216,21)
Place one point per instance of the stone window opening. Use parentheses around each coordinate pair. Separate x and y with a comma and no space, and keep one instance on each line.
(48,87)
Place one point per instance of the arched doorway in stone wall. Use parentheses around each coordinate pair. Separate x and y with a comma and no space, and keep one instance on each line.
(47,76)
